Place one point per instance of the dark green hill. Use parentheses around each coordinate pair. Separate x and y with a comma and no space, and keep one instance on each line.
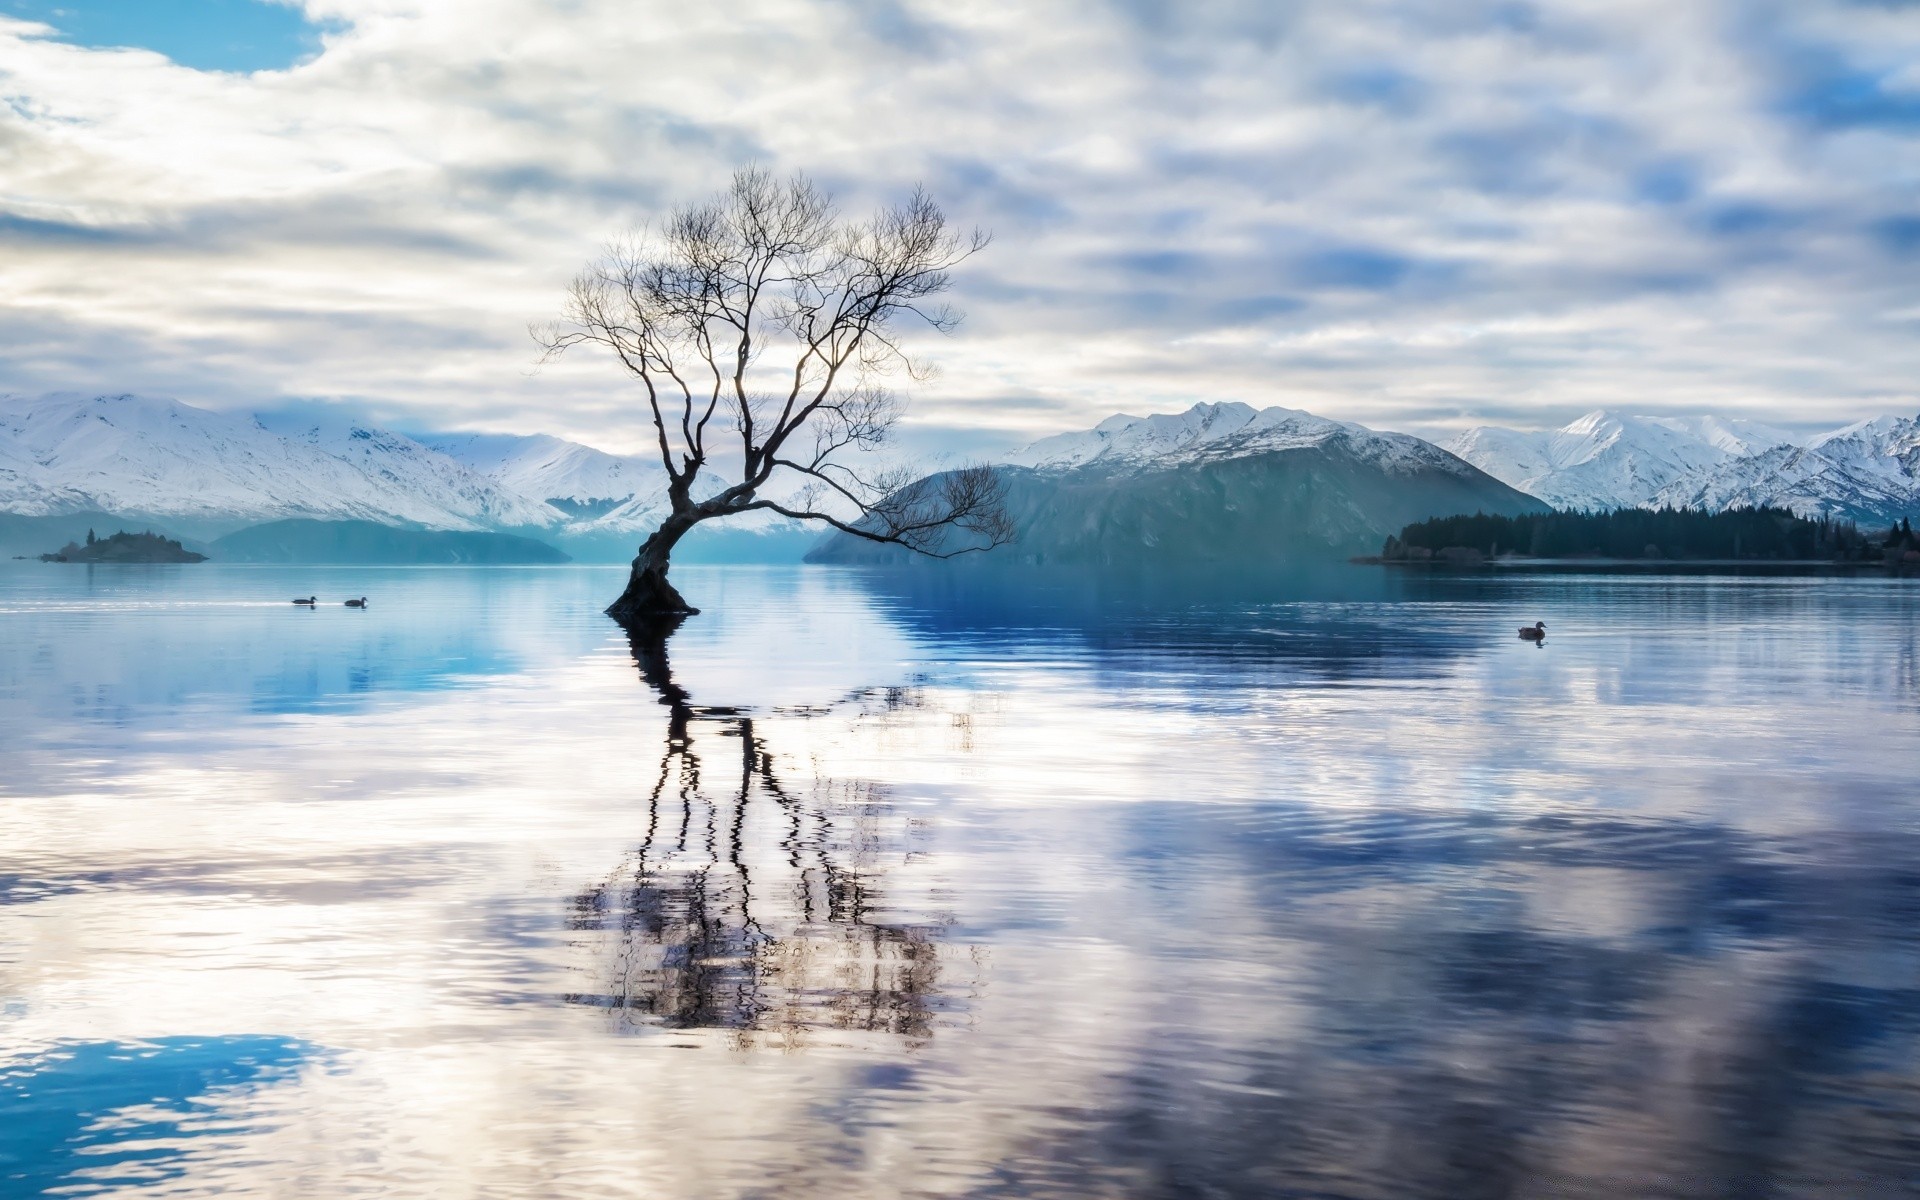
(1323,501)
(370,543)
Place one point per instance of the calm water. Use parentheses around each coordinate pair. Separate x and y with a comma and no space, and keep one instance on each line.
(863,887)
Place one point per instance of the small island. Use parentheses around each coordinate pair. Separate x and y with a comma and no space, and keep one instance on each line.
(1645,535)
(124,547)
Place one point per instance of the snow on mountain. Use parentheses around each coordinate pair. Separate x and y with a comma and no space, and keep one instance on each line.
(26,486)
(410,467)
(1211,432)
(1867,472)
(584,481)
(161,458)
(610,499)
(643,512)
(1893,442)
(1738,438)
(1611,460)
(602,493)
(165,461)
(1514,457)
(1220,484)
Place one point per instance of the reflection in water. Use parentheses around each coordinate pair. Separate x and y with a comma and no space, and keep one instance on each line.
(696,936)
(1335,622)
(1333,892)
(1504,1005)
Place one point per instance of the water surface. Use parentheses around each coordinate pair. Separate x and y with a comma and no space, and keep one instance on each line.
(874,885)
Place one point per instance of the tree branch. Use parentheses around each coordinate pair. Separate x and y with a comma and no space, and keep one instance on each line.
(797,318)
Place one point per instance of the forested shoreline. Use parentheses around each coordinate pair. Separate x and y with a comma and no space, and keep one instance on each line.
(1740,534)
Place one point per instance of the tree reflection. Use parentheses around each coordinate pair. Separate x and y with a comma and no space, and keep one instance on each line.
(752,905)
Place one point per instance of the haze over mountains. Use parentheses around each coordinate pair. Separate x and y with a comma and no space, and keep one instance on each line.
(1867,472)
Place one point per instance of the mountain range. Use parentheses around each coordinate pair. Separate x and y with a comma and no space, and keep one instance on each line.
(1222,484)
(1868,472)
(1210,482)
(205,474)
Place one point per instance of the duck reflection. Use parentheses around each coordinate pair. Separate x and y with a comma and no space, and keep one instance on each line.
(752,905)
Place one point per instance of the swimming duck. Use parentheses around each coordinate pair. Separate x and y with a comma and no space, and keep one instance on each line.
(1536,632)
(360,603)
(309,601)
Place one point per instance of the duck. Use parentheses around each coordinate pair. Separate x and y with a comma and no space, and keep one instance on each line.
(309,601)
(1536,632)
(360,603)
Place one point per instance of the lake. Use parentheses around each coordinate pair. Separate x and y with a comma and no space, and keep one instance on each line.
(872,885)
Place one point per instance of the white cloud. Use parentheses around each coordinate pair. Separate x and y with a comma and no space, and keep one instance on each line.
(1382,210)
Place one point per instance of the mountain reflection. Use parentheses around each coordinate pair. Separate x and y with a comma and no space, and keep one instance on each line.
(1324,622)
(705,925)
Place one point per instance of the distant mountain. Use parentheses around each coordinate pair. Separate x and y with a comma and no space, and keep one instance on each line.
(1610,460)
(580,481)
(1222,483)
(27,486)
(204,474)
(419,470)
(368,542)
(1868,472)
(158,463)
(140,456)
(1210,433)
(612,501)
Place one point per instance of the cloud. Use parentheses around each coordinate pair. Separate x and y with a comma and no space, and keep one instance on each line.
(1383,210)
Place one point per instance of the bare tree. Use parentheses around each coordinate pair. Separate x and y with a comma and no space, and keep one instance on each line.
(761,328)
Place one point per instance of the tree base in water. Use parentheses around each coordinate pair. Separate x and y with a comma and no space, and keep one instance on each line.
(649,599)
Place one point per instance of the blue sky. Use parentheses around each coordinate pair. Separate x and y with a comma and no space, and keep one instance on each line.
(1410,214)
(210,35)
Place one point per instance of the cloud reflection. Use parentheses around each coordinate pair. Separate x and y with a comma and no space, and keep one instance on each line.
(865,892)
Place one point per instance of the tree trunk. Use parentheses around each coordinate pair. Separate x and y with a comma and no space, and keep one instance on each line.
(649,598)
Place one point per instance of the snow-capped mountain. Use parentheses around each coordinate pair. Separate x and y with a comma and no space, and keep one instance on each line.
(1217,432)
(608,498)
(1221,484)
(1867,472)
(418,469)
(26,485)
(160,458)
(1611,460)
(579,480)
(207,473)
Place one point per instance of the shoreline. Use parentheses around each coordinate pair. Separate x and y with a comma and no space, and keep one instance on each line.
(1664,564)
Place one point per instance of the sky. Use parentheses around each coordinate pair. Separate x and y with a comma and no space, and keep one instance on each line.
(1415,215)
